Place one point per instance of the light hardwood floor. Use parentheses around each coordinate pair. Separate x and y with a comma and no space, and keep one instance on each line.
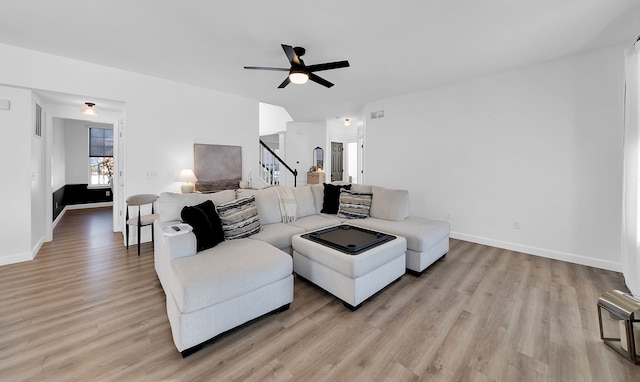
(87,309)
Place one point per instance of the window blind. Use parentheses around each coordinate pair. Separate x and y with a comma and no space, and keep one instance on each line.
(100,142)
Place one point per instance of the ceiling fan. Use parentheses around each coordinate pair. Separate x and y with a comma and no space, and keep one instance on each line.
(299,73)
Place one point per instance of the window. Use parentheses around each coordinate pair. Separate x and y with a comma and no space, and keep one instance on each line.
(100,156)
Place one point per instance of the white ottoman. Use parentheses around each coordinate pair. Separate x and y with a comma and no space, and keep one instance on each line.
(351,278)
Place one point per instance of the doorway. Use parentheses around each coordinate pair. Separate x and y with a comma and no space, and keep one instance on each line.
(337,162)
(62,167)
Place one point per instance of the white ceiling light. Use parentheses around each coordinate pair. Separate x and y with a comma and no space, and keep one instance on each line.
(298,78)
(89,109)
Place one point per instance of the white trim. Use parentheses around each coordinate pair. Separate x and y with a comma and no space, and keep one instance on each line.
(57,220)
(87,205)
(542,252)
(16,258)
(98,186)
(37,247)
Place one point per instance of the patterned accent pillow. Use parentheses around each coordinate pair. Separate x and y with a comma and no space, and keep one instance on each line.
(239,218)
(354,205)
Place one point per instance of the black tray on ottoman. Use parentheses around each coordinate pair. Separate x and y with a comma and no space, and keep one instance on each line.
(349,239)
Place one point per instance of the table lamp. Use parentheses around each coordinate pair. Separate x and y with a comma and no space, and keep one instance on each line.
(186,175)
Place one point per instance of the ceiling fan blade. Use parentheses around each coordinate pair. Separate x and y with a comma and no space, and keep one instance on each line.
(319,80)
(291,55)
(284,83)
(267,68)
(328,66)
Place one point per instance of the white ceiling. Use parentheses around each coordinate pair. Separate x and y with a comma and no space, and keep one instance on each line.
(394,47)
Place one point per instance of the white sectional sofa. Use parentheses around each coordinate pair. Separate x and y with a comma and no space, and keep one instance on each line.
(217,289)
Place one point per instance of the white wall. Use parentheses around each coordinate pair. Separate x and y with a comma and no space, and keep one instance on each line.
(540,146)
(163,121)
(273,119)
(301,138)
(15,195)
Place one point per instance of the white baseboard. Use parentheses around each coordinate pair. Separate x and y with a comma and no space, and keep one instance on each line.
(550,254)
(21,257)
(36,248)
(87,205)
(15,258)
(57,220)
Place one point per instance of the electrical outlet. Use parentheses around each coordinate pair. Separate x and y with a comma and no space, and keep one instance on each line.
(516,224)
(448,216)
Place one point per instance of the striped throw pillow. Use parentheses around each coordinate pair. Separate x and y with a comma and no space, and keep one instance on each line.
(354,205)
(239,218)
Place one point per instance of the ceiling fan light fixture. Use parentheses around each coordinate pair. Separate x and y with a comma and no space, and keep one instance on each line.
(298,78)
(299,73)
(89,109)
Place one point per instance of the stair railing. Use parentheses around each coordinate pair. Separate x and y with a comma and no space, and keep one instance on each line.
(270,165)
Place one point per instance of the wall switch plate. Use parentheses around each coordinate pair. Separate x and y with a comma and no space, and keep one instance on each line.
(5,104)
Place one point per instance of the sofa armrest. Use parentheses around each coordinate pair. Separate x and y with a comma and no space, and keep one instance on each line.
(173,247)
(181,245)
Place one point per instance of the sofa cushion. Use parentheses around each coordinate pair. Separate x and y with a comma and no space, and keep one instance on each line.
(170,204)
(304,199)
(330,202)
(421,234)
(362,188)
(239,218)
(316,222)
(229,270)
(389,204)
(277,234)
(267,203)
(354,205)
(206,224)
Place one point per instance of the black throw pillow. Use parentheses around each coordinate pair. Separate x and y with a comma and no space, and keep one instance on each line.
(331,199)
(206,224)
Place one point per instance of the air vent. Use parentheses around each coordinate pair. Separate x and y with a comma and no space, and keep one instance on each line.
(377,114)
(38,130)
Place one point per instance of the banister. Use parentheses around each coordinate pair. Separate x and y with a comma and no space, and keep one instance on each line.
(294,172)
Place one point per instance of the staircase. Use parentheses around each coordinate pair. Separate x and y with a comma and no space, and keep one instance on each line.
(271,165)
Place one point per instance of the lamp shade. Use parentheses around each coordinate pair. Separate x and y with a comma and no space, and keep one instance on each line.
(186,175)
